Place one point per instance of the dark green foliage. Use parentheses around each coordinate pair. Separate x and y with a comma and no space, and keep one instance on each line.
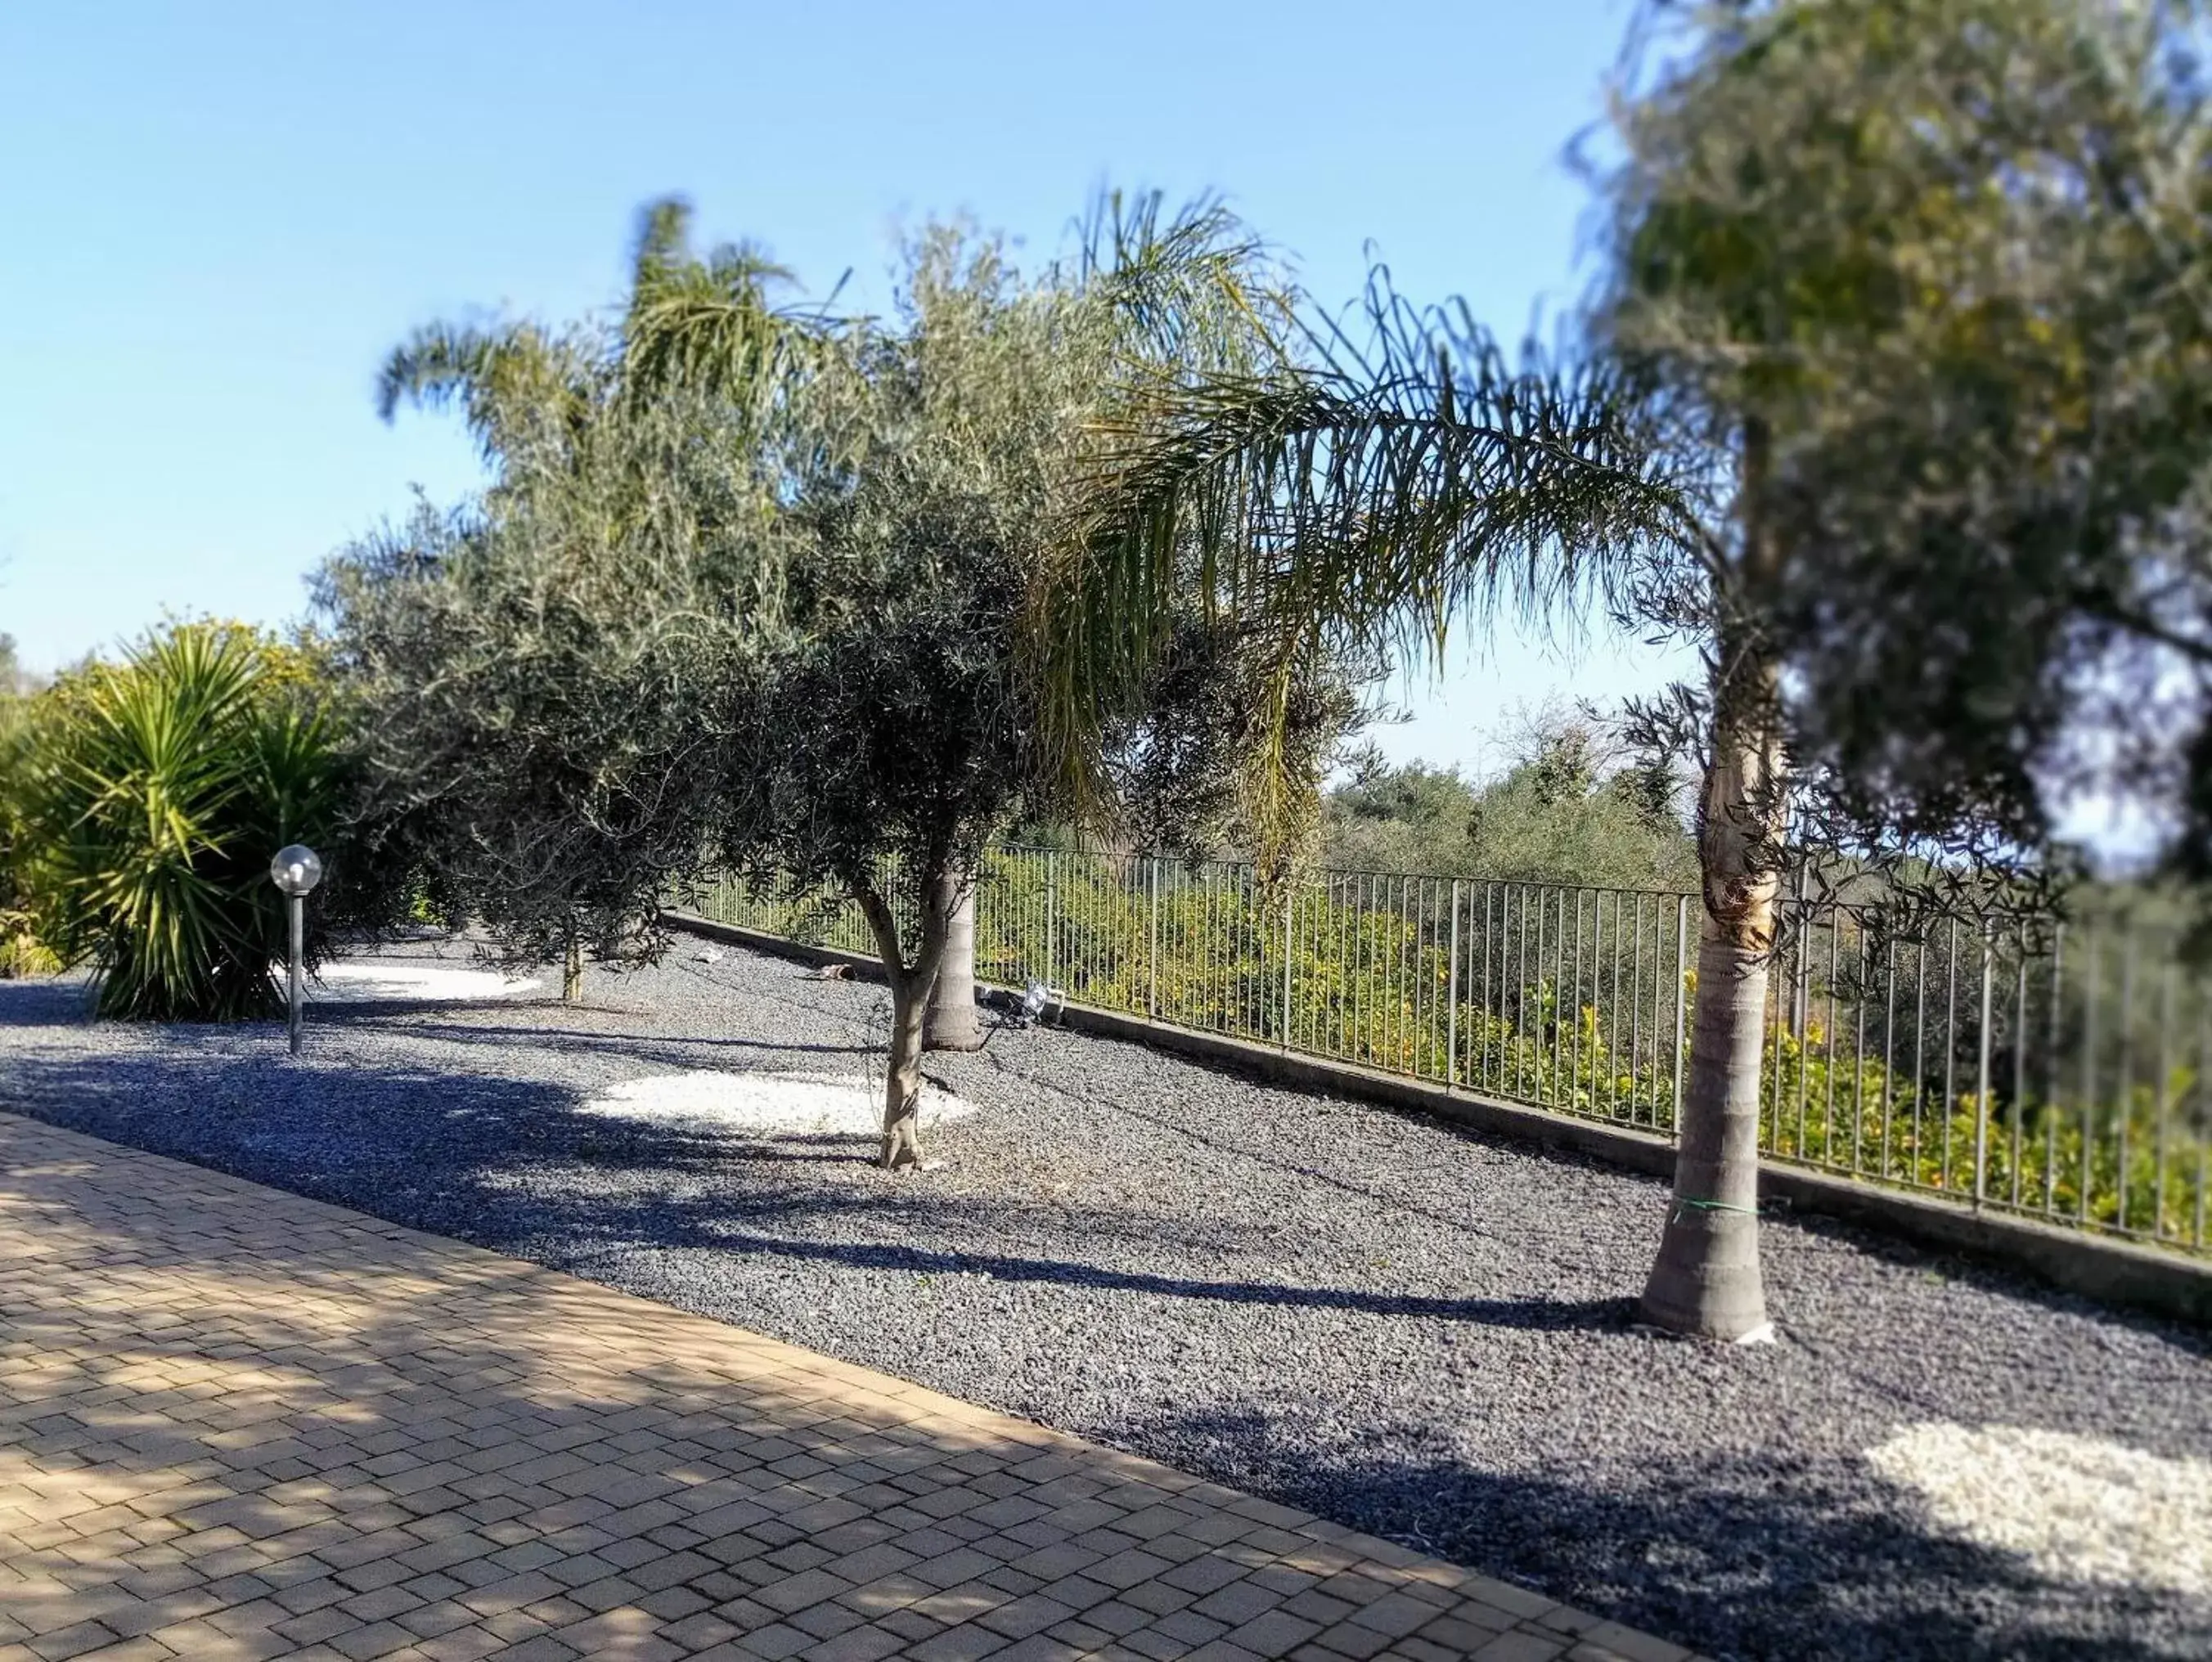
(1947,255)
(538,732)
(1182,772)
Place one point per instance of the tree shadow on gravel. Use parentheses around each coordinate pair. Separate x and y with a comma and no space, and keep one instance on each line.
(1738,1556)
(509,1164)
(462,1147)
(1766,1555)
(1985,1276)
(1545,1314)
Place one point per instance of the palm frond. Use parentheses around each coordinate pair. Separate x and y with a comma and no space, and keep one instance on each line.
(514,382)
(1195,288)
(1366,501)
(708,325)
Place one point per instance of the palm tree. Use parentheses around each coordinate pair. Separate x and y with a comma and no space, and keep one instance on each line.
(1377,497)
(1833,415)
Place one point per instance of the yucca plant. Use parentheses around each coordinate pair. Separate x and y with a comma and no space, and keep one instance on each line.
(158,789)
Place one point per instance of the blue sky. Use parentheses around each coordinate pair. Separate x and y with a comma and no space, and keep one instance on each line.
(218,219)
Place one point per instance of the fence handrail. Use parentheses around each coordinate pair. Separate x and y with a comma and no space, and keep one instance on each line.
(2071,1084)
(1307,873)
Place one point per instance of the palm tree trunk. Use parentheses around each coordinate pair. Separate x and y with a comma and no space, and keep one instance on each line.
(1706,1280)
(952,1023)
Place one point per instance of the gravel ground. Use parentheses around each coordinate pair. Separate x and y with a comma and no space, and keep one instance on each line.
(1378,1316)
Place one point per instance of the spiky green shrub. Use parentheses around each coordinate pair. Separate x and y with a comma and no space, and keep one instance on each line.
(157,791)
(21,950)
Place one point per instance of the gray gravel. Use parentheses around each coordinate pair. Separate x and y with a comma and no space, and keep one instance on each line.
(1378,1316)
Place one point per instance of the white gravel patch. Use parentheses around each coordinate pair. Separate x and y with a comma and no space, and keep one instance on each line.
(370,978)
(816,1103)
(2077,1507)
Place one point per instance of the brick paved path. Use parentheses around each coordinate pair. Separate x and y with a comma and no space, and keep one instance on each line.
(236,1424)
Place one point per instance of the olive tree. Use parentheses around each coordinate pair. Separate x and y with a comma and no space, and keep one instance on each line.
(539,679)
(929,468)
(754,585)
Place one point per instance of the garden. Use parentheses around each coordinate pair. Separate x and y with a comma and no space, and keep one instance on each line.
(1026,634)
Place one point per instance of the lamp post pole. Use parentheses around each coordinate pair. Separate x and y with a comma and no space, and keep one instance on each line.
(297,906)
(296,869)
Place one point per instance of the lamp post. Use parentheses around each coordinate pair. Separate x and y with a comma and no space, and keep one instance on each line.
(295,870)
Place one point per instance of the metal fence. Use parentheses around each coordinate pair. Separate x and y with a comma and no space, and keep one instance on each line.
(2063,1077)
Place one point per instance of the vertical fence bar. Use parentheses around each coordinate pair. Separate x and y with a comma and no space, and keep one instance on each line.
(1559,992)
(2126,1080)
(2089,1074)
(1635,1005)
(1828,1107)
(1681,996)
(1600,1079)
(1574,1013)
(1919,1046)
(1982,1084)
(1489,1057)
(1052,973)
(1950,1042)
(2019,1065)
(1451,977)
(2050,1109)
(1858,1056)
(1152,938)
(1783,988)
(2161,1105)
(1888,1045)
(1803,1015)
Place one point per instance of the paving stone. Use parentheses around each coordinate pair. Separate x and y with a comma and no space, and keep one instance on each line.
(349,1440)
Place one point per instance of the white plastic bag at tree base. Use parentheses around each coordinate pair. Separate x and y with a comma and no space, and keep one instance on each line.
(707,954)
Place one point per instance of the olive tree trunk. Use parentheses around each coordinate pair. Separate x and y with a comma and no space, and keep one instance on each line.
(952,1022)
(572,972)
(901,1146)
(912,984)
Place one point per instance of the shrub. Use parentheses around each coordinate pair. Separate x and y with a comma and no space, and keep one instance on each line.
(155,791)
(21,951)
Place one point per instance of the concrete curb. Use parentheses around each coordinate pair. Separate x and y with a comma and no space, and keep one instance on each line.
(2111,1271)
